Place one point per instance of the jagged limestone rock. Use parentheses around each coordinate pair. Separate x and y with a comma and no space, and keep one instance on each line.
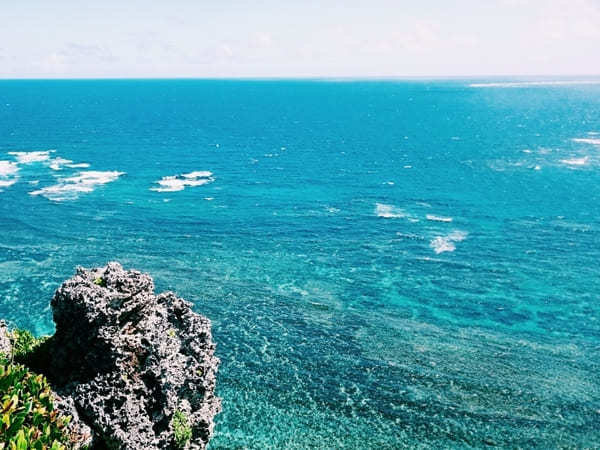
(129,359)
(5,345)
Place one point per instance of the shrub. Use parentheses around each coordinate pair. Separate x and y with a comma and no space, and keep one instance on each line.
(182,432)
(28,419)
(24,343)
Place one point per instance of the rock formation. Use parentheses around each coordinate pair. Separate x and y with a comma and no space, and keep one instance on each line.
(5,345)
(125,360)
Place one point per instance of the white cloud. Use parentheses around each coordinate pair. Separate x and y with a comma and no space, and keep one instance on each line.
(378,38)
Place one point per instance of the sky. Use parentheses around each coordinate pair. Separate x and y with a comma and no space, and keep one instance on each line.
(303,38)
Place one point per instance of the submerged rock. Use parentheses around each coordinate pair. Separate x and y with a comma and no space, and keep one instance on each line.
(129,360)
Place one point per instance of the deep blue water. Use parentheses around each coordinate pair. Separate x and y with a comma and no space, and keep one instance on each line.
(386,264)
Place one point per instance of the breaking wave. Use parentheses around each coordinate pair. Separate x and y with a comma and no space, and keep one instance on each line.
(174,183)
(441,244)
(70,188)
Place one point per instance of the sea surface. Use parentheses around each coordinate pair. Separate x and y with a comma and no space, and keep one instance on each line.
(386,264)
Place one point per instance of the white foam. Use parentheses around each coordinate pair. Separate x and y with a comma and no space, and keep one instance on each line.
(198,174)
(93,177)
(458,236)
(442,244)
(175,183)
(575,161)
(78,165)
(8,173)
(8,182)
(8,168)
(57,163)
(389,211)
(70,188)
(521,84)
(31,157)
(587,141)
(438,218)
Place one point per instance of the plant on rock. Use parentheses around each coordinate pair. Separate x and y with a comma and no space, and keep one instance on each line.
(182,432)
(28,419)
(24,343)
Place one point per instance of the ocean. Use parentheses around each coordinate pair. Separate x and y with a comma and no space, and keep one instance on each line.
(387,264)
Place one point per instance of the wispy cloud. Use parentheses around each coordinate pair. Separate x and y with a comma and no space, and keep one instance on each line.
(377,38)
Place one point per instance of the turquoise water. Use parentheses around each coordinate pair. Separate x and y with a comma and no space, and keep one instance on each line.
(386,264)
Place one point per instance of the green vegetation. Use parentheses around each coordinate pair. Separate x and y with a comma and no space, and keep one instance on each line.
(24,343)
(28,419)
(181,429)
(100,282)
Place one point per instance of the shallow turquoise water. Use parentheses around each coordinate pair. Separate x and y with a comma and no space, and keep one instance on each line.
(386,264)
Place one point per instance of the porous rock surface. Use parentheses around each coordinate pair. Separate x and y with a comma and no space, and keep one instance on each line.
(127,359)
(5,345)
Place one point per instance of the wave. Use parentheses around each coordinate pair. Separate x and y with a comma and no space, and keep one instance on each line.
(587,141)
(31,157)
(438,218)
(521,84)
(389,211)
(57,163)
(174,183)
(198,174)
(70,188)
(575,161)
(441,244)
(8,173)
(8,168)
(8,182)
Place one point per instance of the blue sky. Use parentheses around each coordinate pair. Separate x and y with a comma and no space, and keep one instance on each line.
(278,38)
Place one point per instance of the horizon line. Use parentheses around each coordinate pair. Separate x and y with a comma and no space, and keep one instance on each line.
(305,78)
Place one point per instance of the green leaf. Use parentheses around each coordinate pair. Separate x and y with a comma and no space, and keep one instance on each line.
(57,446)
(21,441)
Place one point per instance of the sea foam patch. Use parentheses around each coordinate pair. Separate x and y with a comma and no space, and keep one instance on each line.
(8,168)
(592,141)
(441,244)
(8,182)
(31,157)
(174,183)
(575,161)
(71,187)
(435,218)
(8,173)
(389,211)
(58,163)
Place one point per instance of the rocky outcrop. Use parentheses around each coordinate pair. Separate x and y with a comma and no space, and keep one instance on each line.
(5,345)
(126,360)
